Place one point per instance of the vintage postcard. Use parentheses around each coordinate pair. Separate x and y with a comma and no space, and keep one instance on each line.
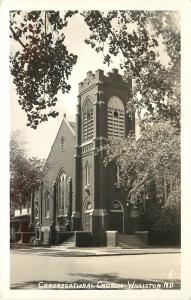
(95,167)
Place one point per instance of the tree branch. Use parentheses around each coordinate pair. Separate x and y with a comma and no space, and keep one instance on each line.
(16,37)
(123,52)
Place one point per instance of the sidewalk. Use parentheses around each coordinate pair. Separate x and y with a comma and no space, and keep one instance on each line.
(101,251)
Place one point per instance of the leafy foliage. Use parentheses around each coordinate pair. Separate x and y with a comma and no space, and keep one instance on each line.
(153,159)
(43,66)
(139,36)
(164,227)
(25,173)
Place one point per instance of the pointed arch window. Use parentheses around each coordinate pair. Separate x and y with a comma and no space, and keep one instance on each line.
(61,193)
(47,204)
(115,118)
(87,120)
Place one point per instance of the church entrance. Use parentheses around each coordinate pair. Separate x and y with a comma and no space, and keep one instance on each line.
(116,217)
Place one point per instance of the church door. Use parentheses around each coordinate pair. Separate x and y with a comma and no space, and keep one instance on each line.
(116,217)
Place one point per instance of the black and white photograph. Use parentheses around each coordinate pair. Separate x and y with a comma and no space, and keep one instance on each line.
(95,195)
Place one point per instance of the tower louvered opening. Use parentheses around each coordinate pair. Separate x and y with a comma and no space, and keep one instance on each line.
(115,118)
(87,121)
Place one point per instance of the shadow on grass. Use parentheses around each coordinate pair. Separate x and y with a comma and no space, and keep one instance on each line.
(100,282)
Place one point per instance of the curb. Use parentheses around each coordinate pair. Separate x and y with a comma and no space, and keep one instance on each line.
(68,253)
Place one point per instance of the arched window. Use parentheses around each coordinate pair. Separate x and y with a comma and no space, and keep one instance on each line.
(61,193)
(87,120)
(115,118)
(116,206)
(47,204)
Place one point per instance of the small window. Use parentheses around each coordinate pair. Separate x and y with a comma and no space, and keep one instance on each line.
(63,143)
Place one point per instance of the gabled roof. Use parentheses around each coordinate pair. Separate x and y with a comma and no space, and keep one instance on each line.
(73,125)
(72,128)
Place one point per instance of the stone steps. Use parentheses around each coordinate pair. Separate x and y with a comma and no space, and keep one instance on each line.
(129,241)
(70,242)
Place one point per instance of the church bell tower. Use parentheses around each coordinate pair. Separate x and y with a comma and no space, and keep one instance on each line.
(101,115)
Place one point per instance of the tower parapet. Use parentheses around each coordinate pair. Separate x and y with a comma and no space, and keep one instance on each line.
(112,78)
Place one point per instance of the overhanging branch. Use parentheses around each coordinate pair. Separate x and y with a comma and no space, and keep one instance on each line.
(16,37)
(123,52)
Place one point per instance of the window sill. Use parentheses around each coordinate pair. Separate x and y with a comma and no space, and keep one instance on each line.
(87,142)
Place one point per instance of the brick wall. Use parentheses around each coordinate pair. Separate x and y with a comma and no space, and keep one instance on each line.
(58,160)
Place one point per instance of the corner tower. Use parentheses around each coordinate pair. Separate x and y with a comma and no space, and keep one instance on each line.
(101,114)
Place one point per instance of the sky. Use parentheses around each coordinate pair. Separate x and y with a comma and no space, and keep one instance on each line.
(41,139)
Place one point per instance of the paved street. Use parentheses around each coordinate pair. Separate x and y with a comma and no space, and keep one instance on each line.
(30,269)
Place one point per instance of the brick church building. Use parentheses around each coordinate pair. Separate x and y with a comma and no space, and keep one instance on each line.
(79,196)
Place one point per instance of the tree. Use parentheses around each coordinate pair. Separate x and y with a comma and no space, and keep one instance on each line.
(150,173)
(26,173)
(43,65)
(140,39)
(155,156)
